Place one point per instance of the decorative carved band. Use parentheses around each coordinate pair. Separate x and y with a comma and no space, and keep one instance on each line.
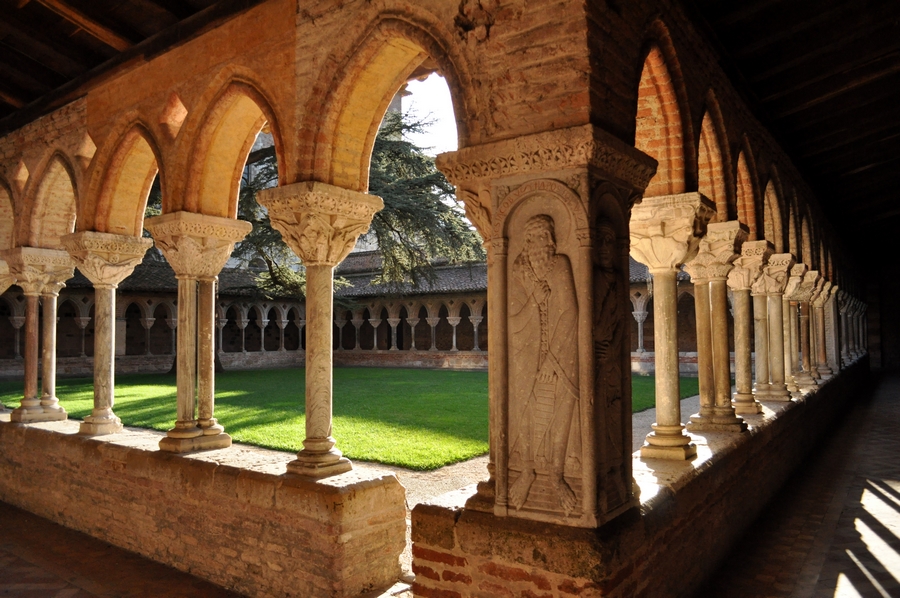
(196,245)
(550,151)
(36,267)
(104,258)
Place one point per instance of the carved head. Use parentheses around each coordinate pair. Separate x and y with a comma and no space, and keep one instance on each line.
(540,242)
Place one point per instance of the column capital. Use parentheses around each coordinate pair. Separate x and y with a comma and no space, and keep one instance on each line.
(36,268)
(454,320)
(719,248)
(196,245)
(824,293)
(319,222)
(393,322)
(432,321)
(808,286)
(795,281)
(749,266)
(105,259)
(774,275)
(666,230)
(6,278)
(640,316)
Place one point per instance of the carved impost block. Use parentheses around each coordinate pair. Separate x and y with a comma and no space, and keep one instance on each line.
(807,286)
(666,230)
(774,276)
(319,222)
(749,266)
(797,273)
(105,259)
(35,268)
(718,250)
(196,245)
(824,294)
(562,149)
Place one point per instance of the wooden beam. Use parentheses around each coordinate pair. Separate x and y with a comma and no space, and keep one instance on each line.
(89,25)
(12,100)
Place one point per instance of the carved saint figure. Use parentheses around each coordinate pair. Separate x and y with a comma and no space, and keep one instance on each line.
(543,364)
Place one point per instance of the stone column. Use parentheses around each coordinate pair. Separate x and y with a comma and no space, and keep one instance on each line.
(339,324)
(747,268)
(106,260)
(39,272)
(393,323)
(6,281)
(197,247)
(413,322)
(172,324)
(790,326)
(282,324)
(640,317)
(147,323)
(17,323)
(357,322)
(321,224)
(706,381)
(476,321)
(262,324)
(242,324)
(220,328)
(802,295)
(83,322)
(433,322)
(772,282)
(825,372)
(666,232)
(454,321)
(718,250)
(843,303)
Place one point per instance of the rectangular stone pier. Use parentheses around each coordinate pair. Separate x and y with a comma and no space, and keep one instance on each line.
(256,531)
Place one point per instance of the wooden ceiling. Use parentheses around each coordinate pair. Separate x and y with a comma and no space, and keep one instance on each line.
(824,77)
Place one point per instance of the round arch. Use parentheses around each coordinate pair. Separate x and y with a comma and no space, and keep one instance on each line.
(7,217)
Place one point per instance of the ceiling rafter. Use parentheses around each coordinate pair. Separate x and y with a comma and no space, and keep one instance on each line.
(89,25)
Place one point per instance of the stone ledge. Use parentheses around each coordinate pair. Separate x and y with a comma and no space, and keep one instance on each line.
(257,531)
(690,514)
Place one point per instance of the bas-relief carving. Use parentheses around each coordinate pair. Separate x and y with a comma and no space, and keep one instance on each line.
(105,259)
(196,245)
(748,267)
(666,231)
(544,421)
(37,268)
(774,276)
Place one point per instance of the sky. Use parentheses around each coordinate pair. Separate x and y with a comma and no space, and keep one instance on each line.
(432,97)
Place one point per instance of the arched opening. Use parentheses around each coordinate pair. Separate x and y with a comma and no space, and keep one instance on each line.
(160,331)
(135,333)
(711,167)
(124,192)
(54,208)
(383,332)
(422,331)
(443,332)
(649,345)
(253,331)
(7,218)
(483,329)
(348,331)
(746,195)
(272,332)
(68,332)
(366,332)
(7,332)
(404,332)
(772,218)
(231,333)
(659,129)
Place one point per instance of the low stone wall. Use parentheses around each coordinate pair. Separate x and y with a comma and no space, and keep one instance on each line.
(83,367)
(453,360)
(691,514)
(260,360)
(257,533)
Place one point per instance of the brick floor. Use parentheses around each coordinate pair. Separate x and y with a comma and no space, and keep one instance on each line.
(834,530)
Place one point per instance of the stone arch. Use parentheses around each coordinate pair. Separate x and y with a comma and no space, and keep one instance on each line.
(772,215)
(663,128)
(793,235)
(358,90)
(746,191)
(809,257)
(53,205)
(229,128)
(127,178)
(542,188)
(713,161)
(7,217)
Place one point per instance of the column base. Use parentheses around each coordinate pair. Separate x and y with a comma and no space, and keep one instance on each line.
(746,404)
(100,426)
(37,414)
(775,393)
(303,465)
(716,423)
(668,442)
(197,443)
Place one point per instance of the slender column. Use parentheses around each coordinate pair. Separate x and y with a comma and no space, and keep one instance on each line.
(789,321)
(762,386)
(393,323)
(801,295)
(263,324)
(357,322)
(413,322)
(106,260)
(147,323)
(17,323)
(197,247)
(772,281)
(82,326)
(339,324)
(282,324)
(243,326)
(718,250)
(747,269)
(794,344)
(433,322)
(665,232)
(833,330)
(814,332)
(454,321)
(476,320)
(705,376)
(375,323)
(843,306)
(321,224)
(220,328)
(640,317)
(172,323)
(40,272)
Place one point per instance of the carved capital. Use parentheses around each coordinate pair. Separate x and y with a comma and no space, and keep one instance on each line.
(666,230)
(478,210)
(105,259)
(774,276)
(797,272)
(807,288)
(196,245)
(719,248)
(562,149)
(319,222)
(824,294)
(37,269)
(748,266)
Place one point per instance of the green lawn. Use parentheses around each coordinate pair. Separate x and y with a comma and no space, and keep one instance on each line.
(421,419)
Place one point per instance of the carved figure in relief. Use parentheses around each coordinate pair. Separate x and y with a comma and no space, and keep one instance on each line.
(543,364)
(609,318)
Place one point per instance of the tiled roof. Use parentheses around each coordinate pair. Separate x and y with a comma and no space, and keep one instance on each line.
(464,278)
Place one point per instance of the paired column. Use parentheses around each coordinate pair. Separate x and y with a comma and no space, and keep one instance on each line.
(790,324)
(666,232)
(747,269)
(771,284)
(393,323)
(803,294)
(822,367)
(106,260)
(321,224)
(640,317)
(40,273)
(197,247)
(6,281)
(718,250)
(843,302)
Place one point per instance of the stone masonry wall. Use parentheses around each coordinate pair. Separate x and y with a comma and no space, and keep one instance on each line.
(691,514)
(257,533)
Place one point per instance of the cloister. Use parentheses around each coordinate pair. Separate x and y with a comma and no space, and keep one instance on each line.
(588,132)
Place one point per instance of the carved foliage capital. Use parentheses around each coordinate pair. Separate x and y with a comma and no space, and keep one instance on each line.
(807,287)
(196,245)
(774,276)
(39,270)
(319,222)
(823,295)
(718,250)
(797,272)
(105,259)
(666,231)
(749,265)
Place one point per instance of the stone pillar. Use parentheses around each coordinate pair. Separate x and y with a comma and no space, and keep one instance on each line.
(39,272)
(843,303)
(747,268)
(282,324)
(552,209)
(640,317)
(413,322)
(147,323)
(220,327)
(172,324)
(790,327)
(339,324)
(321,224)
(17,323)
(718,250)
(197,247)
(833,330)
(802,295)
(772,282)
(82,322)
(666,232)
(433,322)
(476,320)
(242,324)
(822,367)
(106,260)
(357,322)
(375,323)
(262,324)
(393,323)
(454,321)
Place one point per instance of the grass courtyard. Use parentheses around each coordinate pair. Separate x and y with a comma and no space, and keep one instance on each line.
(420,419)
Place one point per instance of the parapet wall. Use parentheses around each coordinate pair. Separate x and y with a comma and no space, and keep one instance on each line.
(257,533)
(691,514)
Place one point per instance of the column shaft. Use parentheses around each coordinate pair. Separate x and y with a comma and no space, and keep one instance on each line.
(49,401)
(790,344)
(762,386)
(776,348)
(744,402)
(186,358)
(31,403)
(206,357)
(725,413)
(102,420)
